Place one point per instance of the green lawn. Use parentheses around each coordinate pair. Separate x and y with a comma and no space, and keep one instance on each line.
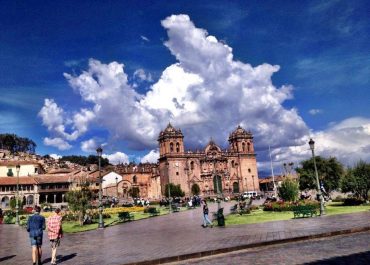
(74,227)
(260,216)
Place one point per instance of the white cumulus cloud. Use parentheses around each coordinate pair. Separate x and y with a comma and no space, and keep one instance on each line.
(141,75)
(117,158)
(206,93)
(55,156)
(89,146)
(57,142)
(151,157)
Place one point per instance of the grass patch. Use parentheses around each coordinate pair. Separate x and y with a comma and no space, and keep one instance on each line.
(74,227)
(260,216)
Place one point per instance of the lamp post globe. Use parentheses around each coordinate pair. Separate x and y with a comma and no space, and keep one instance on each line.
(311,143)
(17,168)
(99,151)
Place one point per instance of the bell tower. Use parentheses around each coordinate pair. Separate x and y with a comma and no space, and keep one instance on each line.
(171,141)
(241,141)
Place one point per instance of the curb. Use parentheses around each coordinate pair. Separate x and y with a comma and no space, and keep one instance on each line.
(247,246)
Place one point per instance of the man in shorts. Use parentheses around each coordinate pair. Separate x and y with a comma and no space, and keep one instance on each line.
(35,227)
(55,232)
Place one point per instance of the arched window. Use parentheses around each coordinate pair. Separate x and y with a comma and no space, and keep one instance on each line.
(232,163)
(192,165)
(249,170)
(248,147)
(243,147)
(177,147)
(236,187)
(171,147)
(134,179)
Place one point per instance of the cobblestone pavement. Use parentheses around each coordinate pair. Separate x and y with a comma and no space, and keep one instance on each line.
(351,249)
(165,236)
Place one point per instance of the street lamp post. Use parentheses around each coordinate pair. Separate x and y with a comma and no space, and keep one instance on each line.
(312,147)
(99,151)
(216,178)
(117,187)
(17,168)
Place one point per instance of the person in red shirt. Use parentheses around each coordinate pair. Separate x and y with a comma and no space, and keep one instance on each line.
(55,233)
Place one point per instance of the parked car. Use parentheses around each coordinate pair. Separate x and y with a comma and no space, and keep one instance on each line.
(249,194)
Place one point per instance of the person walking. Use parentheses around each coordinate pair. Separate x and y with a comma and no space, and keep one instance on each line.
(206,220)
(35,227)
(55,233)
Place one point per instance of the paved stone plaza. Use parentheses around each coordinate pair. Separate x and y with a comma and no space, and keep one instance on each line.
(178,234)
(351,249)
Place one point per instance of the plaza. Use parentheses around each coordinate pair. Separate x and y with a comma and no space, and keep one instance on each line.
(174,237)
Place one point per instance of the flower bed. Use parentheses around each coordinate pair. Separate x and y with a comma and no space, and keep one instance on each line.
(123,209)
(281,206)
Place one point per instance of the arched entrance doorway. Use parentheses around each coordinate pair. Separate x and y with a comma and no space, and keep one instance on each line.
(217,184)
(5,202)
(30,200)
(235,187)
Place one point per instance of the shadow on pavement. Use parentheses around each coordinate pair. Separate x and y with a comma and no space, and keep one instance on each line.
(7,257)
(353,259)
(66,257)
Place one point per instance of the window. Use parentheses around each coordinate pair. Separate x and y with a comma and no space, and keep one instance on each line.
(243,147)
(248,147)
(134,179)
(177,147)
(177,173)
(192,165)
(171,147)
(10,172)
(249,170)
(232,163)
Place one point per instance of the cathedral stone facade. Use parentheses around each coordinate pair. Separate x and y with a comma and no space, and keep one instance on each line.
(214,170)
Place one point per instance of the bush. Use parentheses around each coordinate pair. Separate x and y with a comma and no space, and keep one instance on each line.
(9,220)
(353,202)
(338,199)
(70,217)
(289,190)
(282,206)
(149,209)
(9,213)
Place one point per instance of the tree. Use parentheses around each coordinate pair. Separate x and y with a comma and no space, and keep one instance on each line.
(135,192)
(289,190)
(195,190)
(357,180)
(13,203)
(79,200)
(83,160)
(14,143)
(175,190)
(329,170)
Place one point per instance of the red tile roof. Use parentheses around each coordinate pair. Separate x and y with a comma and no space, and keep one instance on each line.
(18,162)
(52,178)
(13,180)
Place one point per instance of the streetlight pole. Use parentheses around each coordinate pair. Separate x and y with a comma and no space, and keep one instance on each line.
(215,177)
(272,172)
(17,168)
(312,147)
(117,187)
(99,151)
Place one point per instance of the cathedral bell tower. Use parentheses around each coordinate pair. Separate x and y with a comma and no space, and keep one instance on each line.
(241,141)
(171,141)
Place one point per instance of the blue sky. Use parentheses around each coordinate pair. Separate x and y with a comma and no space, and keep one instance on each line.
(314,81)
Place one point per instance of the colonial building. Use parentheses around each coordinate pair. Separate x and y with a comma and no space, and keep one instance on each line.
(140,180)
(214,170)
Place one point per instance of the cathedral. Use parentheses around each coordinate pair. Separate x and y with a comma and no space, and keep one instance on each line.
(214,170)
